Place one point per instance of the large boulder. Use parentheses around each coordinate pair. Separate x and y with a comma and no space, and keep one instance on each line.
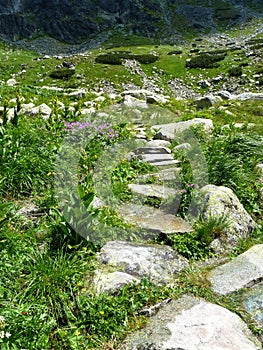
(169,131)
(221,202)
(193,324)
(207,101)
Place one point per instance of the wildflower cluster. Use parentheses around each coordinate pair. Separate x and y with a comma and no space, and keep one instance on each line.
(99,128)
(3,334)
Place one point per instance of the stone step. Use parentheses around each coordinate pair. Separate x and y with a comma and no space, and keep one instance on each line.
(158,191)
(158,159)
(167,175)
(153,220)
(152,150)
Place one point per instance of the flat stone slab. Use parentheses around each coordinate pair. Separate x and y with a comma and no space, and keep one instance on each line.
(123,262)
(153,220)
(152,150)
(193,324)
(243,271)
(157,191)
(168,131)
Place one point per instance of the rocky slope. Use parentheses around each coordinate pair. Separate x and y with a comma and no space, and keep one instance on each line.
(73,21)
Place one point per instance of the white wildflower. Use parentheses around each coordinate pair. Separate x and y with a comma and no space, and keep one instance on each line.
(8,335)
(2,334)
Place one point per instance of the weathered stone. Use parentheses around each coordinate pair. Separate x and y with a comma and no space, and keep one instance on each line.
(243,271)
(220,201)
(248,96)
(77,94)
(153,220)
(207,101)
(253,303)
(225,95)
(26,108)
(169,174)
(157,191)
(169,131)
(157,159)
(193,324)
(122,263)
(133,102)
(43,110)
(147,95)
(159,143)
(11,82)
(110,282)
(152,150)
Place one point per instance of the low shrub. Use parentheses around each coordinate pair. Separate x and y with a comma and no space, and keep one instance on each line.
(175,52)
(116,57)
(205,60)
(235,71)
(62,73)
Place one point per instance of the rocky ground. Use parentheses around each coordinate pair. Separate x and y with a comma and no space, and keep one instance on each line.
(189,322)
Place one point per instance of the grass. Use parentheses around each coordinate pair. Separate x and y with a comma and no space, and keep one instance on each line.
(45,265)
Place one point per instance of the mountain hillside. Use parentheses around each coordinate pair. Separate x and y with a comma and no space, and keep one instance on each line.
(73,21)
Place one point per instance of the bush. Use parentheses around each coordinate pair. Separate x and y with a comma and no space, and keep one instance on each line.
(205,60)
(62,73)
(235,71)
(175,52)
(116,57)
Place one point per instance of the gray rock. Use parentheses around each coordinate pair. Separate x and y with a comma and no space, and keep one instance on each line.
(122,263)
(78,93)
(248,96)
(26,108)
(156,159)
(241,272)
(133,102)
(225,95)
(43,110)
(11,82)
(169,174)
(159,143)
(110,282)
(169,131)
(152,150)
(193,324)
(220,201)
(147,95)
(157,191)
(153,220)
(253,303)
(207,101)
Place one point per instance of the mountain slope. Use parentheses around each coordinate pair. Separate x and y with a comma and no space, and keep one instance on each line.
(73,20)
